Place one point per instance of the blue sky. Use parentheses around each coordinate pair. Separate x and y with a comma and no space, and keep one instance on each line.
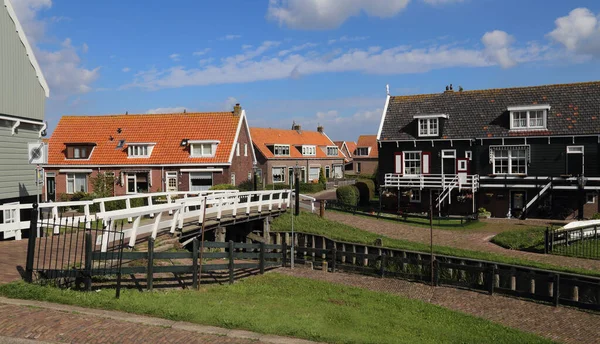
(311,61)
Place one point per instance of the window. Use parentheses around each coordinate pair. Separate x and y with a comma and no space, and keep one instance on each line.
(281,150)
(313,173)
(309,150)
(362,151)
(332,151)
(245,149)
(428,127)
(249,175)
(590,198)
(278,174)
(137,182)
(79,151)
(202,149)
(237,149)
(528,119)
(338,171)
(469,155)
(510,160)
(415,196)
(139,151)
(449,153)
(358,167)
(412,162)
(76,182)
(232,178)
(200,181)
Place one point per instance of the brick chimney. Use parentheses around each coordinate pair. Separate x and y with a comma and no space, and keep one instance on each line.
(320,129)
(297,127)
(237,109)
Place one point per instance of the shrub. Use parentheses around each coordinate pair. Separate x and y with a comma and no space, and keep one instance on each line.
(281,186)
(347,194)
(322,179)
(596,216)
(371,185)
(364,195)
(311,187)
(223,187)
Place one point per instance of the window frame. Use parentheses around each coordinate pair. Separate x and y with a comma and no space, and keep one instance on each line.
(281,147)
(309,150)
(136,151)
(527,120)
(195,175)
(428,129)
(72,177)
(358,152)
(587,198)
(413,193)
(89,149)
(283,170)
(333,148)
(509,159)
(201,145)
(405,160)
(318,172)
(10,215)
(469,155)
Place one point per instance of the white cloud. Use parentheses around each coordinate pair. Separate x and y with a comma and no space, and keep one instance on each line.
(497,47)
(347,39)
(175,57)
(176,109)
(201,52)
(579,32)
(297,48)
(61,65)
(126,70)
(229,37)
(328,14)
(441,2)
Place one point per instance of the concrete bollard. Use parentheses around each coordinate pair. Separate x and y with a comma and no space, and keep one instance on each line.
(366,260)
(309,264)
(513,282)
(344,256)
(551,289)
(353,257)
(576,293)
(532,286)
(324,266)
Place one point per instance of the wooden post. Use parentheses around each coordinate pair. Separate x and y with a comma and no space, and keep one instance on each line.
(491,277)
(284,254)
(546,233)
(322,208)
(231,261)
(88,261)
(324,247)
(436,272)
(333,257)
(556,291)
(150,269)
(383,258)
(31,243)
(262,258)
(195,245)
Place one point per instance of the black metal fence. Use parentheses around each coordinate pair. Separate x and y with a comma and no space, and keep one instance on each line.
(530,283)
(68,252)
(577,242)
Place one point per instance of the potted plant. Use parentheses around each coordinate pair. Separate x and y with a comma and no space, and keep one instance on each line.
(483,213)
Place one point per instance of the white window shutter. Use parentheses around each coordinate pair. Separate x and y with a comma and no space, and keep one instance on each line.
(398,164)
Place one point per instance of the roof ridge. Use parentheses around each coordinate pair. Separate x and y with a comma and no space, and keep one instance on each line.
(147,115)
(502,88)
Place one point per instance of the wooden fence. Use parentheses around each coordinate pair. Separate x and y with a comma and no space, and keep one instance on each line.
(530,283)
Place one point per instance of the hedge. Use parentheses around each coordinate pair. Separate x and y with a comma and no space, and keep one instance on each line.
(311,187)
(223,187)
(347,194)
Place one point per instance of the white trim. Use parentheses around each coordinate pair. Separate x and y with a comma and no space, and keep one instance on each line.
(140,143)
(582,151)
(203,141)
(213,150)
(74,170)
(469,155)
(385,108)
(528,126)
(18,121)
(434,115)
(251,143)
(404,163)
(30,55)
(201,170)
(282,145)
(452,153)
(236,138)
(528,107)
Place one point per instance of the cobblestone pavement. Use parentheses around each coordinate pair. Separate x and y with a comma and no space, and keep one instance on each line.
(53,323)
(476,240)
(561,324)
(12,254)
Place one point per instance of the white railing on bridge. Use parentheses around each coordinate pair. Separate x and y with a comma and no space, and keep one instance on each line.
(311,199)
(432,181)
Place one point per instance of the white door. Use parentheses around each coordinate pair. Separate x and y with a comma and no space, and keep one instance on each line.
(171,182)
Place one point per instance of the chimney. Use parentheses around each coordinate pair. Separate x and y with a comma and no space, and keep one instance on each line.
(320,129)
(449,89)
(237,109)
(297,127)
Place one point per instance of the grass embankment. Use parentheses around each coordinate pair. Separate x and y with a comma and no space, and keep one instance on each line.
(298,307)
(313,224)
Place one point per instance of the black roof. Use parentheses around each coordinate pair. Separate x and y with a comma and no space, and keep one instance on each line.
(575,110)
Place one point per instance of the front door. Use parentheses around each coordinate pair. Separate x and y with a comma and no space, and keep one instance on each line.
(171,181)
(517,201)
(50,189)
(449,162)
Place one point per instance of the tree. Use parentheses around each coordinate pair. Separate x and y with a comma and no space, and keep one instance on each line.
(104,185)
(322,179)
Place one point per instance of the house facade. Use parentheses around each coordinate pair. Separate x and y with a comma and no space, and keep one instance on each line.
(526,151)
(366,155)
(23,93)
(347,148)
(149,153)
(279,151)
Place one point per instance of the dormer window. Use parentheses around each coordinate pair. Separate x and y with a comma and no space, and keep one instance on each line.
(309,150)
(202,149)
(429,125)
(281,150)
(332,151)
(139,150)
(362,151)
(79,150)
(530,117)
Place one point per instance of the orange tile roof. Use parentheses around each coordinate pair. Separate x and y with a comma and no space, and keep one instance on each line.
(166,130)
(351,147)
(368,141)
(264,137)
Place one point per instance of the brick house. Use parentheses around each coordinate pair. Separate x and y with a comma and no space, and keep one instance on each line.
(523,151)
(347,148)
(366,155)
(278,151)
(150,153)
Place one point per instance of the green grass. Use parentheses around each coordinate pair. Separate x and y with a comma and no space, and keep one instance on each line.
(528,239)
(298,307)
(313,224)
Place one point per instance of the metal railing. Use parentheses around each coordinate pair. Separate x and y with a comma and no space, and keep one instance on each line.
(581,242)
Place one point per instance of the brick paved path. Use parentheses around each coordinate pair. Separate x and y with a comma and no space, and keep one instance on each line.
(12,254)
(557,323)
(476,240)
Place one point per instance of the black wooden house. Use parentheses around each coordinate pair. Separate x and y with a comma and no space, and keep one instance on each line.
(526,151)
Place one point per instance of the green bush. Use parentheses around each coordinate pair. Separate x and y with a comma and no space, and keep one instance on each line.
(371,185)
(311,187)
(322,179)
(246,185)
(596,216)
(347,194)
(364,195)
(281,186)
(223,187)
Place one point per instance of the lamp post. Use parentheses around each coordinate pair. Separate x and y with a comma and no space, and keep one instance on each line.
(581,181)
(255,179)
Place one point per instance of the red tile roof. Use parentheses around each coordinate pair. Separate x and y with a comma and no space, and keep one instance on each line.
(351,147)
(368,141)
(166,130)
(264,137)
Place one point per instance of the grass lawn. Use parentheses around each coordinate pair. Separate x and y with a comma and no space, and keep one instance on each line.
(313,224)
(298,307)
(531,239)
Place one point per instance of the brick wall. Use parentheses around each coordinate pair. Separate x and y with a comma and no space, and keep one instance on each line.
(267,165)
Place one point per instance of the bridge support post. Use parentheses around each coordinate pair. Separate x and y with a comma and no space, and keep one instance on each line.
(220,235)
(267,228)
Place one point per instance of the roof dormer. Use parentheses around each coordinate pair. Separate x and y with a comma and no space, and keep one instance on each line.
(79,150)
(429,125)
(529,117)
(140,150)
